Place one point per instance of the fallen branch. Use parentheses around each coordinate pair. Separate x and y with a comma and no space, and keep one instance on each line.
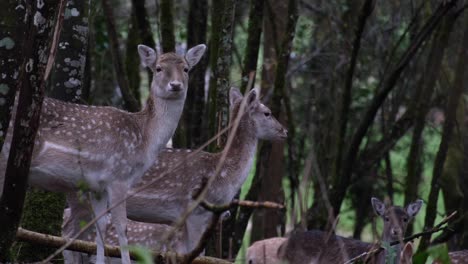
(110,251)
(254,204)
(378,248)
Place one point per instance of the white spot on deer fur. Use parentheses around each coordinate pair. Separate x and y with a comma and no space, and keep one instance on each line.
(69,133)
(223,173)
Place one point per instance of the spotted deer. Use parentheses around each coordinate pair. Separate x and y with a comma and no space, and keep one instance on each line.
(265,251)
(319,247)
(106,150)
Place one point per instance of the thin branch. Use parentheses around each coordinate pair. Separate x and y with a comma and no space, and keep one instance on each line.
(110,251)
(253,204)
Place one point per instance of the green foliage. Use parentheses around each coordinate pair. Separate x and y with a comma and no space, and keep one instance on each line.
(143,254)
(438,252)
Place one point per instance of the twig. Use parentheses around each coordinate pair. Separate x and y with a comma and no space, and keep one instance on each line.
(55,39)
(434,229)
(110,251)
(254,204)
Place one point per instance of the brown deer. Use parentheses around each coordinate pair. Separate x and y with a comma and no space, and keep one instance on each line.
(168,197)
(106,149)
(265,251)
(319,247)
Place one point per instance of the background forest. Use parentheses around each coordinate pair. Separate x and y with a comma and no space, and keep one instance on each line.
(373,94)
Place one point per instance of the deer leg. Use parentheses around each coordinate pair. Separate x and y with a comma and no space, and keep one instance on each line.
(78,211)
(99,205)
(119,217)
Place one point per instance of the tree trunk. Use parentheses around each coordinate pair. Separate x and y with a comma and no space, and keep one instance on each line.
(195,102)
(271,223)
(68,73)
(13,31)
(166,22)
(453,99)
(131,104)
(253,42)
(32,84)
(220,63)
(132,61)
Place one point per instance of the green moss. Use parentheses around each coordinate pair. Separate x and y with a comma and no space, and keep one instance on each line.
(42,213)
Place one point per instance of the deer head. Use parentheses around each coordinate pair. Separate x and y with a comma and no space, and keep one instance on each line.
(395,218)
(266,126)
(170,71)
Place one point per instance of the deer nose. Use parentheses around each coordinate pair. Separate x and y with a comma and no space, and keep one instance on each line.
(175,86)
(396,231)
(284,131)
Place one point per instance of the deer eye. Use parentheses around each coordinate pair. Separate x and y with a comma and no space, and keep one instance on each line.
(186,69)
(158,69)
(267,114)
(387,219)
(405,219)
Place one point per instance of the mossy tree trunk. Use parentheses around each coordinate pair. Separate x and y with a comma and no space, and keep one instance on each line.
(36,43)
(220,64)
(68,73)
(43,210)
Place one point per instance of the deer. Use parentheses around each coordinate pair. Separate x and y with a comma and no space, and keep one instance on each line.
(320,247)
(166,199)
(105,150)
(265,251)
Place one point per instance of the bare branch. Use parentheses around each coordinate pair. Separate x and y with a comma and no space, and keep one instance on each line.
(90,247)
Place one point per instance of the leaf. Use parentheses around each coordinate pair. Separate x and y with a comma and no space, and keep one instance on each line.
(142,254)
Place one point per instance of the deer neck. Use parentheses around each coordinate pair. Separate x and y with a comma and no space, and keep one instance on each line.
(161,117)
(240,154)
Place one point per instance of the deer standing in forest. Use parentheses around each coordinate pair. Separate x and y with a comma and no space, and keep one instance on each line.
(168,197)
(106,150)
(319,247)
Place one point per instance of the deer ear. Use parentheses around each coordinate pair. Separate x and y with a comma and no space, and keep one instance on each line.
(252,96)
(406,254)
(379,206)
(194,54)
(234,96)
(148,55)
(413,208)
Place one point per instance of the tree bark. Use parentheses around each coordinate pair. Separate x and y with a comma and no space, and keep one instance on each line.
(269,223)
(453,99)
(131,104)
(253,42)
(32,76)
(13,31)
(166,22)
(195,102)
(68,74)
(219,81)
(132,61)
